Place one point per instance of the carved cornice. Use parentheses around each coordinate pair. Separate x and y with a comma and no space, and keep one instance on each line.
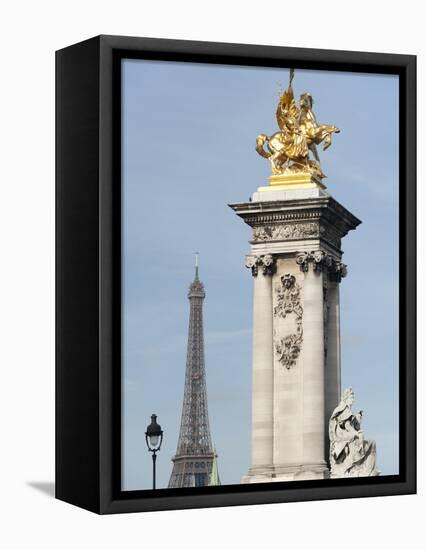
(288,298)
(333,219)
(282,217)
(266,263)
(321,261)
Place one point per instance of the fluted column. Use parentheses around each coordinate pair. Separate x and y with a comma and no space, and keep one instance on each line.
(313,375)
(333,355)
(263,375)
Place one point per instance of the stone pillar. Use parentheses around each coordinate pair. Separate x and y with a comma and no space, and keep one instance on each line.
(296,262)
(262,268)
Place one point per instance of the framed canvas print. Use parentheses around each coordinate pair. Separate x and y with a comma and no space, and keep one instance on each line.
(235,274)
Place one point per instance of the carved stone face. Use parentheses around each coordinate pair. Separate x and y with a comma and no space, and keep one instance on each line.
(288,280)
(268,259)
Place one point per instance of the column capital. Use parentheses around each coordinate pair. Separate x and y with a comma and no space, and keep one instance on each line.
(321,261)
(339,271)
(266,262)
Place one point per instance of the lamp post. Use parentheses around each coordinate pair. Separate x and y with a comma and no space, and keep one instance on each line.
(154,438)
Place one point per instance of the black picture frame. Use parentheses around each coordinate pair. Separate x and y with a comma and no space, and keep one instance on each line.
(88,308)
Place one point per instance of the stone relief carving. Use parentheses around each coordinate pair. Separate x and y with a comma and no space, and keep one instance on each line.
(288,298)
(321,261)
(350,454)
(292,226)
(285,232)
(288,350)
(266,263)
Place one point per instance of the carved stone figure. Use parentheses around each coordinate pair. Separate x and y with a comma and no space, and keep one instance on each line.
(350,454)
(289,150)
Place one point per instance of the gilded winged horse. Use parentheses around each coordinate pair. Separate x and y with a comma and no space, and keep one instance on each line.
(289,148)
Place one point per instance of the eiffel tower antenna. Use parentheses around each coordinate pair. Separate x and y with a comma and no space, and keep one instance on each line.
(196,265)
(193,462)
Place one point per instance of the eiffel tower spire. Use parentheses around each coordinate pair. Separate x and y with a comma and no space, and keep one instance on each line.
(192,464)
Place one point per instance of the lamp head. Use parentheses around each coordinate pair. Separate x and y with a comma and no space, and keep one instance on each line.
(154,435)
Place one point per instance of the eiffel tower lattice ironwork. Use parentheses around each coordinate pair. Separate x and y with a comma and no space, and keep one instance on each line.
(192,464)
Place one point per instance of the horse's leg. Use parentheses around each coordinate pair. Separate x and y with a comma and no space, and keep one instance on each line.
(323,133)
(276,161)
(327,142)
(320,134)
(272,159)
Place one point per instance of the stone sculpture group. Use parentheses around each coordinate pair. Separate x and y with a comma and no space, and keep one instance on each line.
(350,454)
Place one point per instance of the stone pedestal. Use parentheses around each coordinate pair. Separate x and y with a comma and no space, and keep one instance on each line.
(295,260)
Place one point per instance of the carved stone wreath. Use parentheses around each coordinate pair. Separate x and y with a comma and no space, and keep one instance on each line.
(288,350)
(288,302)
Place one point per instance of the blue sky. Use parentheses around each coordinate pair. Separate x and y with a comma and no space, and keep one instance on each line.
(188,151)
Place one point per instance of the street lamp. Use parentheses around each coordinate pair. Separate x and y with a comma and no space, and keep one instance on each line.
(154,438)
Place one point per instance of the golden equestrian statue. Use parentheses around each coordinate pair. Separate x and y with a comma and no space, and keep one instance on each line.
(293,149)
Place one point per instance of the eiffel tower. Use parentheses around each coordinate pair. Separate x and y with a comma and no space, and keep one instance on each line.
(192,464)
